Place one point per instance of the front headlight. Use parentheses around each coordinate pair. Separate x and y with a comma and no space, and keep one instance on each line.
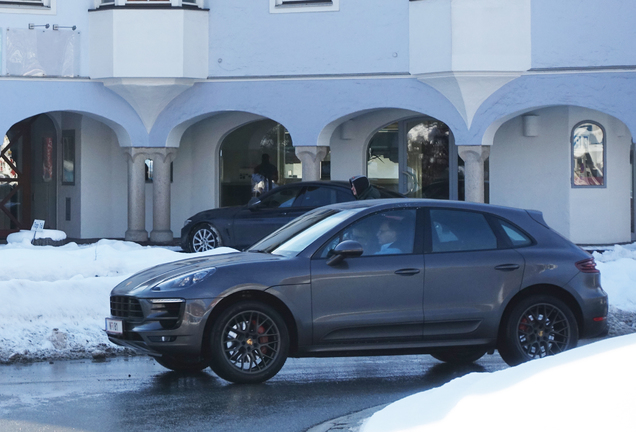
(184,281)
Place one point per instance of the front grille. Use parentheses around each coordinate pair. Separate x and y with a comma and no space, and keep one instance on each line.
(125,307)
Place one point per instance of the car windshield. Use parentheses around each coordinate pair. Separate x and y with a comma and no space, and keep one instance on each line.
(294,237)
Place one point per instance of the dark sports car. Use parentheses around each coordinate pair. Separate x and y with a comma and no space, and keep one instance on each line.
(452,279)
(242,226)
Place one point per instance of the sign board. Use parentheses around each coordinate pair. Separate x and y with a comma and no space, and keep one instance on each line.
(38,225)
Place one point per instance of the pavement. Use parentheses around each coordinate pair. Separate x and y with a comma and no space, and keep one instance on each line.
(350,423)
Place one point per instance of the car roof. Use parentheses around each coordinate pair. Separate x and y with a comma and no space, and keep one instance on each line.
(409,202)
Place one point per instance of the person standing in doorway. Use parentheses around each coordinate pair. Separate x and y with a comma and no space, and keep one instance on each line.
(268,171)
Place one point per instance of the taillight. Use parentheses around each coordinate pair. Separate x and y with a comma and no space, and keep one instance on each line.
(587,266)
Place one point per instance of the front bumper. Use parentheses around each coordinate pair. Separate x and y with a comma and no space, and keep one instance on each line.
(155,333)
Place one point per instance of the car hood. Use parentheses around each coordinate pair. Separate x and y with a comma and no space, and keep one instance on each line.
(218,213)
(150,277)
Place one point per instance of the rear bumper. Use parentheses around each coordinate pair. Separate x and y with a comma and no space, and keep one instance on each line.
(594,305)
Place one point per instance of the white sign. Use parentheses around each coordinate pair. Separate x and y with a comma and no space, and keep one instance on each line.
(38,225)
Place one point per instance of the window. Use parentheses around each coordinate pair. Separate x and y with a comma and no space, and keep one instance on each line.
(516,237)
(176,3)
(281,198)
(284,6)
(48,6)
(386,233)
(315,196)
(588,155)
(455,231)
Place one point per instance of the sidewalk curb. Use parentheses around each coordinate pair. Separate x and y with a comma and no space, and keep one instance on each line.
(350,422)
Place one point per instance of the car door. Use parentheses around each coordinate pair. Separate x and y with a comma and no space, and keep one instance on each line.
(470,273)
(252,223)
(313,196)
(373,298)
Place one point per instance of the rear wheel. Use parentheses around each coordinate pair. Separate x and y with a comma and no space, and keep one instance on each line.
(204,237)
(537,327)
(249,343)
(182,364)
(460,355)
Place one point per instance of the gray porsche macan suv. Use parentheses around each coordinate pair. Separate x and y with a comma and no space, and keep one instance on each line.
(452,279)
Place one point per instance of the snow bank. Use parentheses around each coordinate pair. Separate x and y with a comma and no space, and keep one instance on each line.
(54,299)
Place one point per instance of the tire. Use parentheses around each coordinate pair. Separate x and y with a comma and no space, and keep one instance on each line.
(460,356)
(203,238)
(249,343)
(537,327)
(182,364)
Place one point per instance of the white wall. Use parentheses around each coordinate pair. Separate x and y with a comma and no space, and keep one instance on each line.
(363,36)
(153,43)
(535,173)
(602,215)
(532,172)
(104,182)
(469,35)
(72,228)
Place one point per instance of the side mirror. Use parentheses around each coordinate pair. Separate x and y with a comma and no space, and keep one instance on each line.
(253,203)
(345,249)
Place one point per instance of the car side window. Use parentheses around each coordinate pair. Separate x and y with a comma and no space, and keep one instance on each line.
(385,233)
(454,231)
(517,238)
(318,196)
(280,198)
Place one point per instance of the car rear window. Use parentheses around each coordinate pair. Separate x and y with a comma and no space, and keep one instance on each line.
(517,238)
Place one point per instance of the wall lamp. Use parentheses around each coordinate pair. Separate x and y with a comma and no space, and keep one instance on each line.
(33,26)
(57,27)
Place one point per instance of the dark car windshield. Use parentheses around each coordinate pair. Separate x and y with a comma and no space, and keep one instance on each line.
(294,237)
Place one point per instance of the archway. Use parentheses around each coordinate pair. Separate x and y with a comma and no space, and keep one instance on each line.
(242,151)
(28,169)
(418,158)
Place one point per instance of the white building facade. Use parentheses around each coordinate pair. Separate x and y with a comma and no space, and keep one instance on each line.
(123,118)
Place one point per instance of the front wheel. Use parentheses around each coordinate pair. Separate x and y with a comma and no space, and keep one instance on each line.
(537,327)
(249,343)
(204,237)
(182,364)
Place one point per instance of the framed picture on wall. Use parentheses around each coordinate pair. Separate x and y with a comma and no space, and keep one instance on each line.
(68,157)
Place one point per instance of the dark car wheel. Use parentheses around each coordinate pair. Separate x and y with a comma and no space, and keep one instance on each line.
(249,343)
(460,355)
(537,327)
(180,364)
(203,238)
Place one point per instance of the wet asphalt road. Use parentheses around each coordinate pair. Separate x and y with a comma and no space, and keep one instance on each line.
(136,394)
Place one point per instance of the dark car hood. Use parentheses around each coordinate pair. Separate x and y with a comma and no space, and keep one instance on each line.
(154,275)
(218,213)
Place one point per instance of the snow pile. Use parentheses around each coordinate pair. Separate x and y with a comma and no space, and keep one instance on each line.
(28,235)
(586,389)
(618,275)
(54,299)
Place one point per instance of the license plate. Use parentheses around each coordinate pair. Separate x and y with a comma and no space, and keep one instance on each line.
(114,326)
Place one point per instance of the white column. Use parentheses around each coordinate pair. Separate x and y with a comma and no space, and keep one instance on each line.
(474,157)
(136,195)
(161,160)
(310,157)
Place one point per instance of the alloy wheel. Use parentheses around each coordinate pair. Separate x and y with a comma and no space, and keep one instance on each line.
(251,341)
(543,330)
(204,239)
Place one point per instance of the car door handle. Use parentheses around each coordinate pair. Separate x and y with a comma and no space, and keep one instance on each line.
(507,267)
(407,272)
